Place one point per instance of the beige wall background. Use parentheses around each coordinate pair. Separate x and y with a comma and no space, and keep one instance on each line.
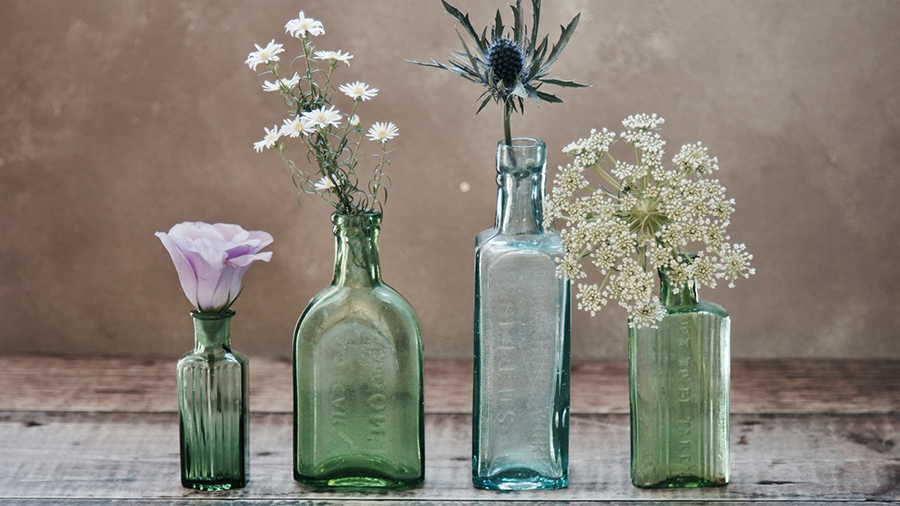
(119,118)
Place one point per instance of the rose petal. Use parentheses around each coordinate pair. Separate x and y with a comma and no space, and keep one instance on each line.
(186,275)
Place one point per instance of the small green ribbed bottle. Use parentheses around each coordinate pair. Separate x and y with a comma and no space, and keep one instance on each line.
(679,384)
(213,407)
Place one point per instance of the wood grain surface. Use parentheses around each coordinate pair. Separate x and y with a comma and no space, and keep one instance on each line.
(104,431)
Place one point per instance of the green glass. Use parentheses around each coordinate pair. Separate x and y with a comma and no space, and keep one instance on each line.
(358,396)
(679,388)
(213,408)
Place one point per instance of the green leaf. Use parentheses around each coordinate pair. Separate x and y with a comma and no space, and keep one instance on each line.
(547,97)
(536,12)
(498,25)
(464,20)
(519,24)
(484,104)
(564,83)
(563,40)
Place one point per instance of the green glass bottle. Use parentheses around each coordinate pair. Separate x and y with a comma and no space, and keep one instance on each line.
(358,396)
(213,407)
(679,388)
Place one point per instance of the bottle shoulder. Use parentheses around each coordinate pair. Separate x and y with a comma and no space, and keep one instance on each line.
(549,243)
(702,306)
(378,306)
(215,357)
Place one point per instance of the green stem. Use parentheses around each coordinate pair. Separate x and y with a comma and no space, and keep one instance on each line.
(507,134)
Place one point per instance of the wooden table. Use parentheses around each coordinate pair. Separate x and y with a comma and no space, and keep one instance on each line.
(104,431)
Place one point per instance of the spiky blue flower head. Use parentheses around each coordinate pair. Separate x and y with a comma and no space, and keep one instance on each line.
(505,58)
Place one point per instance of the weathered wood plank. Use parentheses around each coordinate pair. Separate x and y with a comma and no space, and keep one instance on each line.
(135,455)
(31,383)
(383,502)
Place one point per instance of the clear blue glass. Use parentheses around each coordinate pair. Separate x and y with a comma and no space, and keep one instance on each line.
(520,424)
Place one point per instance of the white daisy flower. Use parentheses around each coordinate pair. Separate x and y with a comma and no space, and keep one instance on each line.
(269,140)
(293,127)
(287,83)
(334,56)
(359,91)
(302,25)
(324,184)
(264,54)
(383,132)
(354,120)
(321,117)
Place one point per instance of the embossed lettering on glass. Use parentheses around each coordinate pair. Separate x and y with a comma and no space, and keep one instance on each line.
(358,396)
(522,335)
(680,376)
(213,407)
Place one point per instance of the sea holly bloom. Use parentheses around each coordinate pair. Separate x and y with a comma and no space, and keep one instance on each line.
(359,91)
(211,260)
(334,56)
(264,55)
(383,132)
(294,127)
(512,67)
(642,217)
(282,83)
(303,25)
(269,140)
(321,117)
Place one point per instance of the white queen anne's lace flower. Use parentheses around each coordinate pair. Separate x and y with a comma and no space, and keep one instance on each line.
(640,218)
(303,25)
(264,54)
(359,91)
(383,132)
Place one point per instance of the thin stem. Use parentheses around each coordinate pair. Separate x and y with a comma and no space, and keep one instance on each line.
(507,134)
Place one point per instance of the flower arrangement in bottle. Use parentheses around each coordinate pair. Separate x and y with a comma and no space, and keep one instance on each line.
(213,391)
(522,331)
(636,220)
(358,390)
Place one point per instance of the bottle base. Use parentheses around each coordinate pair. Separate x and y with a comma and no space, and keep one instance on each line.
(519,479)
(681,482)
(357,478)
(214,486)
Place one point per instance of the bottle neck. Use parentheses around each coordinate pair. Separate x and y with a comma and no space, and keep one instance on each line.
(356,250)
(521,174)
(212,331)
(686,294)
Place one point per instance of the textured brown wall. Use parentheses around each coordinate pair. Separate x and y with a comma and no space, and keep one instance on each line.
(120,118)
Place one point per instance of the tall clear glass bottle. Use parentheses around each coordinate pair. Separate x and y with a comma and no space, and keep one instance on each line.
(679,388)
(214,408)
(358,393)
(520,425)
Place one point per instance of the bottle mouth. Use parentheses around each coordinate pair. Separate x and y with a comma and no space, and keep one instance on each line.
(523,143)
(356,222)
(197,315)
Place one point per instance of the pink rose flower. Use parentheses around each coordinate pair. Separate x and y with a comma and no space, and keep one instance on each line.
(212,259)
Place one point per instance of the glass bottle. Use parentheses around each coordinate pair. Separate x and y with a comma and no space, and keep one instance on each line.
(520,425)
(213,408)
(679,388)
(358,392)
